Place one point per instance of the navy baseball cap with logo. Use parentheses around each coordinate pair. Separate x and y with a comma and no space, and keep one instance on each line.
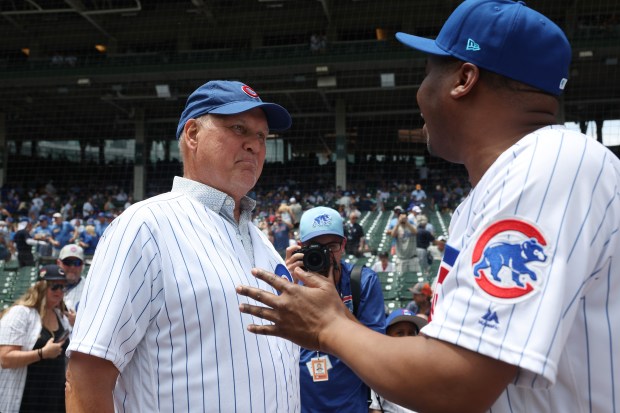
(320,221)
(504,37)
(52,272)
(226,97)
(402,314)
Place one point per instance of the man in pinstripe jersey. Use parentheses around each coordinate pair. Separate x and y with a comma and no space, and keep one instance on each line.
(158,329)
(526,314)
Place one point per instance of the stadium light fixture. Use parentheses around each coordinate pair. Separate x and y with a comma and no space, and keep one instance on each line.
(388,80)
(322,70)
(163,91)
(586,53)
(84,81)
(101,48)
(326,81)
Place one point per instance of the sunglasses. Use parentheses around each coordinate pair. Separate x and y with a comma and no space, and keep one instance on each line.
(56,287)
(72,262)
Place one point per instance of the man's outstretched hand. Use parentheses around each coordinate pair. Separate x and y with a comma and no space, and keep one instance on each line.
(304,314)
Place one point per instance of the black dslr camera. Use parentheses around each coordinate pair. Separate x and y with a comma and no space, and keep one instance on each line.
(317,258)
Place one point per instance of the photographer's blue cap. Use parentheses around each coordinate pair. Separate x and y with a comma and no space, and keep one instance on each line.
(320,221)
(504,37)
(226,97)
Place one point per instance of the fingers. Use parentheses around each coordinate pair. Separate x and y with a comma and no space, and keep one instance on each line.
(277,282)
(313,279)
(259,311)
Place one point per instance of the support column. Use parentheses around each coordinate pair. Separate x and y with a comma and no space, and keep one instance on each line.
(341,144)
(4,158)
(83,145)
(599,130)
(101,143)
(139,174)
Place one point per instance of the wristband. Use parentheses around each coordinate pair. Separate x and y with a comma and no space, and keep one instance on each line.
(40,351)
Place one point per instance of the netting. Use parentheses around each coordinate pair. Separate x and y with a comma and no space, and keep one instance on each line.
(92,93)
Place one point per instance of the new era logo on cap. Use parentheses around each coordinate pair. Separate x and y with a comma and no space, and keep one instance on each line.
(471,45)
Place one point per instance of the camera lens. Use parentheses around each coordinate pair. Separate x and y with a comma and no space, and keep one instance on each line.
(316,258)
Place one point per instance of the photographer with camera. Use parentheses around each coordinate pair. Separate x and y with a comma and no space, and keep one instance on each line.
(326,383)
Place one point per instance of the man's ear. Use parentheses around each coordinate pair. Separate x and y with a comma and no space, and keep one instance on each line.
(468,75)
(190,130)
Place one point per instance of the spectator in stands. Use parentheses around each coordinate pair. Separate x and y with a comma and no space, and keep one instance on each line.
(438,248)
(71,261)
(423,219)
(67,209)
(366,203)
(400,323)
(63,233)
(285,212)
(414,211)
(345,200)
(24,243)
(355,210)
(384,264)
(101,224)
(421,303)
(424,239)
(418,196)
(109,205)
(354,233)
(89,240)
(88,208)
(296,211)
(32,346)
(281,232)
(4,213)
(337,388)
(5,247)
(43,232)
(404,233)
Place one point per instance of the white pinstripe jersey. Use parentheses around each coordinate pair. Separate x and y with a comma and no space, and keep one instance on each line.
(546,216)
(160,303)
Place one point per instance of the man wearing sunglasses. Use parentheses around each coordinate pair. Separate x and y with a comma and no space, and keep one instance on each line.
(326,383)
(71,260)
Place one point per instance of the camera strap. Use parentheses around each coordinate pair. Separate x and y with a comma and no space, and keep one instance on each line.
(356,286)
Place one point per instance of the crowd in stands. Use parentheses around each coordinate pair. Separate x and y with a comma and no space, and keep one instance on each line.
(47,217)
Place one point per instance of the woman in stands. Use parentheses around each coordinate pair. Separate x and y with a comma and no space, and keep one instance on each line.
(33,339)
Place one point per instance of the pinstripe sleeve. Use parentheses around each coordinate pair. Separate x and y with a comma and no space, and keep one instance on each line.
(123,291)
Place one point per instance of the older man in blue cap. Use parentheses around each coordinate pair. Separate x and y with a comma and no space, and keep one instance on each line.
(327,383)
(158,327)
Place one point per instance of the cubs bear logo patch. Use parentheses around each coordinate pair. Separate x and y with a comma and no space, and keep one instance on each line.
(507,257)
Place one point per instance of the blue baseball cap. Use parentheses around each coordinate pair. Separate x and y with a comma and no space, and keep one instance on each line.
(320,221)
(402,314)
(226,97)
(504,37)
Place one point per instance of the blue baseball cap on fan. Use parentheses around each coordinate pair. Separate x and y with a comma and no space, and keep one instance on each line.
(226,97)
(504,37)
(320,221)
